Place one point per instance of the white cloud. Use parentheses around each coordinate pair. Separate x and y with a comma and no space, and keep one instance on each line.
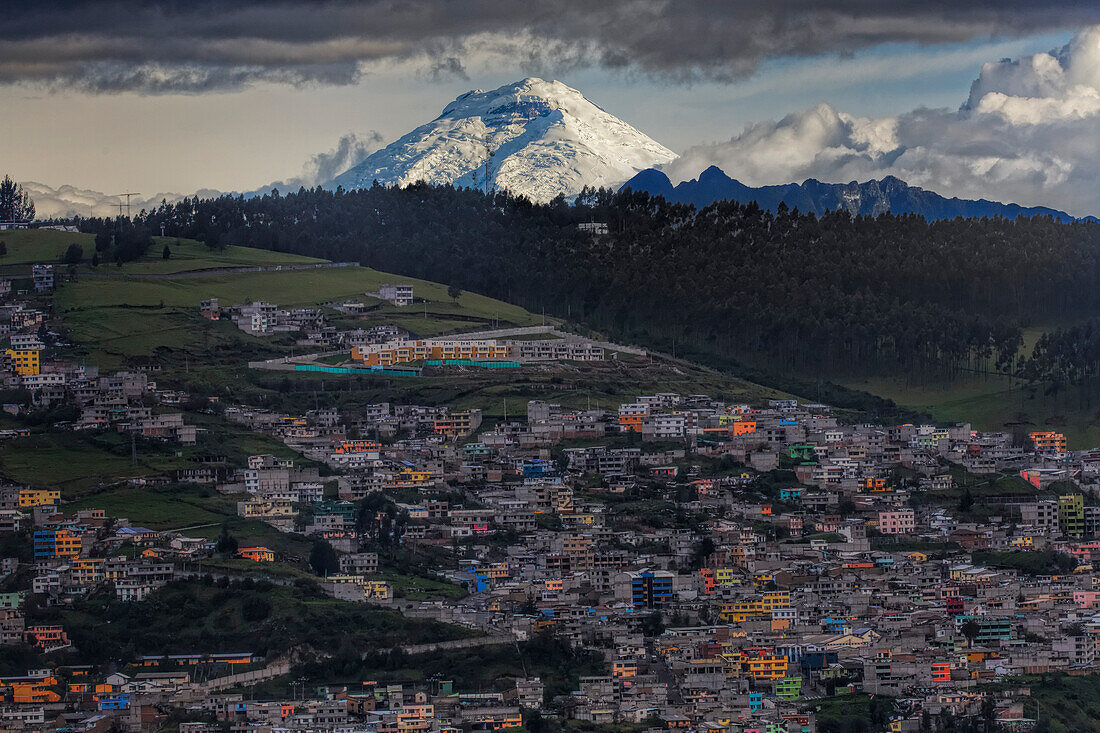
(1029,133)
(350,151)
(66,201)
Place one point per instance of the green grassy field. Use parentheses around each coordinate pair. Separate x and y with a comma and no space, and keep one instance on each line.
(188,255)
(993,403)
(75,464)
(116,319)
(185,617)
(285,288)
(416,588)
(1062,704)
(40,245)
(153,508)
(27,246)
(82,463)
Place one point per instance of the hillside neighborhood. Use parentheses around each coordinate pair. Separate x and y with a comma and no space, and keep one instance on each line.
(722,566)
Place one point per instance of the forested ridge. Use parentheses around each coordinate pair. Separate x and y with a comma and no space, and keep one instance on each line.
(788,292)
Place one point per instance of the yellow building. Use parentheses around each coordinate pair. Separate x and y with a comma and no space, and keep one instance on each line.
(761,579)
(726,576)
(86,571)
(409,478)
(67,544)
(760,666)
(38,497)
(759,608)
(24,361)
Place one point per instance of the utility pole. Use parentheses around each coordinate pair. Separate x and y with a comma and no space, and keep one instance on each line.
(133,447)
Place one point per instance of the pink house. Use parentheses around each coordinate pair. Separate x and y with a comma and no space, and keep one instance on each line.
(901,521)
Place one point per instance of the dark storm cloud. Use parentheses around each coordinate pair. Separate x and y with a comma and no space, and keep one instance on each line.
(202,45)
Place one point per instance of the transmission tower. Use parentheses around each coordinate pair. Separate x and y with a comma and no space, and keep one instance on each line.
(127,195)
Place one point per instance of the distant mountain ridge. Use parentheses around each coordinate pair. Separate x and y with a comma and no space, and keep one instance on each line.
(871,198)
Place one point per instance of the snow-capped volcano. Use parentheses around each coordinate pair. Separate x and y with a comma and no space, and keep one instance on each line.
(546,139)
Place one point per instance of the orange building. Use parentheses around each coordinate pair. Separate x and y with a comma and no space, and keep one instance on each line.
(872,484)
(1048,442)
(67,543)
(358,446)
(743,427)
(256,554)
(458,424)
(46,637)
(624,669)
(632,417)
(707,574)
(31,690)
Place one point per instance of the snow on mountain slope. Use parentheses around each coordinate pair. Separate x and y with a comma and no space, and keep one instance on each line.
(546,139)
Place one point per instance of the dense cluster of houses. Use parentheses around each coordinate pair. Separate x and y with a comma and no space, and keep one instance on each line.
(730,564)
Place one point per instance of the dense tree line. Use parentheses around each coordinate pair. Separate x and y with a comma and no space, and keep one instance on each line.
(15,203)
(793,292)
(1066,357)
(118,240)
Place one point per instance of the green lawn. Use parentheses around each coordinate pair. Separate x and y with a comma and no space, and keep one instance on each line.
(993,402)
(286,288)
(1063,704)
(83,463)
(189,617)
(188,255)
(290,549)
(418,588)
(42,245)
(117,319)
(154,508)
(76,464)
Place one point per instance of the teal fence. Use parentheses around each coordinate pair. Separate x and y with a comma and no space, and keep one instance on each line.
(473,362)
(357,370)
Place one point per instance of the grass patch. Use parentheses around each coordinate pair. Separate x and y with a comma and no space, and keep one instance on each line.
(155,508)
(853,712)
(26,246)
(1046,562)
(260,618)
(81,463)
(76,463)
(994,402)
(419,588)
(1065,704)
(119,320)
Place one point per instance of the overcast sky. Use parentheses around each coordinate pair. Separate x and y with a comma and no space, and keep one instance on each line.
(158,97)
